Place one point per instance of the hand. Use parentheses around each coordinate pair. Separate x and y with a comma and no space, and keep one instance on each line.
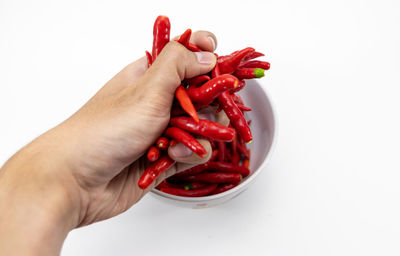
(87,168)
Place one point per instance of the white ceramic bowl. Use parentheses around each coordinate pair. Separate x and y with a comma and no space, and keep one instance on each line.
(264,129)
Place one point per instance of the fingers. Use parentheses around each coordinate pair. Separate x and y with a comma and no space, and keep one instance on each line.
(174,64)
(207,41)
(181,154)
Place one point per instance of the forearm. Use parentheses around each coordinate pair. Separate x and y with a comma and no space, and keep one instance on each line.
(36,212)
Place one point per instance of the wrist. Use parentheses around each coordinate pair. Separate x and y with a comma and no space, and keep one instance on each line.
(38,206)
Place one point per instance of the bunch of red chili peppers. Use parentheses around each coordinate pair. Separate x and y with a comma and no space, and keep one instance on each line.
(230,157)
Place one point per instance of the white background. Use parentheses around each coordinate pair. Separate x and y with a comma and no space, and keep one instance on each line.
(332,186)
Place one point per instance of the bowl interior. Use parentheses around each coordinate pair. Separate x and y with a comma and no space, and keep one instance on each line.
(263,128)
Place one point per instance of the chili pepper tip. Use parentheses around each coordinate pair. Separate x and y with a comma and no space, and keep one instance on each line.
(258,72)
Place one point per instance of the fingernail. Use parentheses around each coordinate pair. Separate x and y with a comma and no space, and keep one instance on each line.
(213,42)
(205,57)
(180,150)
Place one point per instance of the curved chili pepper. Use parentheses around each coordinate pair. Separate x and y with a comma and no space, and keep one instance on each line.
(255,64)
(186,139)
(227,167)
(215,177)
(223,187)
(162,143)
(240,86)
(194,185)
(149,59)
(154,170)
(161,31)
(235,116)
(206,93)
(204,127)
(198,80)
(252,55)
(241,147)
(185,37)
(153,154)
(229,63)
(185,102)
(235,158)
(190,193)
(191,171)
(248,73)
(243,107)
(193,47)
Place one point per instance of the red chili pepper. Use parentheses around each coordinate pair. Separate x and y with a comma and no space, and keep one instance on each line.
(248,73)
(221,151)
(243,107)
(235,116)
(172,143)
(227,167)
(237,99)
(204,127)
(185,102)
(191,171)
(255,64)
(249,122)
(162,143)
(161,32)
(214,154)
(206,93)
(229,63)
(149,59)
(193,47)
(153,154)
(198,80)
(223,187)
(241,147)
(252,55)
(215,71)
(194,185)
(215,177)
(185,37)
(190,193)
(235,158)
(186,139)
(154,170)
(240,86)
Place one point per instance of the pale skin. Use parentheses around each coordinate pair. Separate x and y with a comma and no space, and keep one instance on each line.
(86,169)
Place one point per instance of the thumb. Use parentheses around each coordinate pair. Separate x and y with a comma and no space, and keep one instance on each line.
(174,64)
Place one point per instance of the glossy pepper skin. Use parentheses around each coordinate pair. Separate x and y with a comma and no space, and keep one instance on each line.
(252,55)
(153,154)
(249,73)
(204,127)
(161,32)
(240,86)
(154,170)
(162,143)
(198,80)
(235,116)
(204,191)
(215,177)
(185,37)
(206,93)
(229,63)
(255,64)
(185,102)
(223,187)
(186,139)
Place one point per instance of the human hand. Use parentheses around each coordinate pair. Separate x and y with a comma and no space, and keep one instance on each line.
(87,168)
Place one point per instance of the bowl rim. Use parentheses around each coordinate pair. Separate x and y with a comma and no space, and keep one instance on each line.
(244,183)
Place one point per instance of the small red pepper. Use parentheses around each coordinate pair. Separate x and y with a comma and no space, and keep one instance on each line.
(194,185)
(243,107)
(186,139)
(235,116)
(229,63)
(248,73)
(191,171)
(227,167)
(153,154)
(193,47)
(149,59)
(198,80)
(215,177)
(185,102)
(214,154)
(161,31)
(162,143)
(204,191)
(206,93)
(185,37)
(204,127)
(221,151)
(252,55)
(255,64)
(223,187)
(154,170)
